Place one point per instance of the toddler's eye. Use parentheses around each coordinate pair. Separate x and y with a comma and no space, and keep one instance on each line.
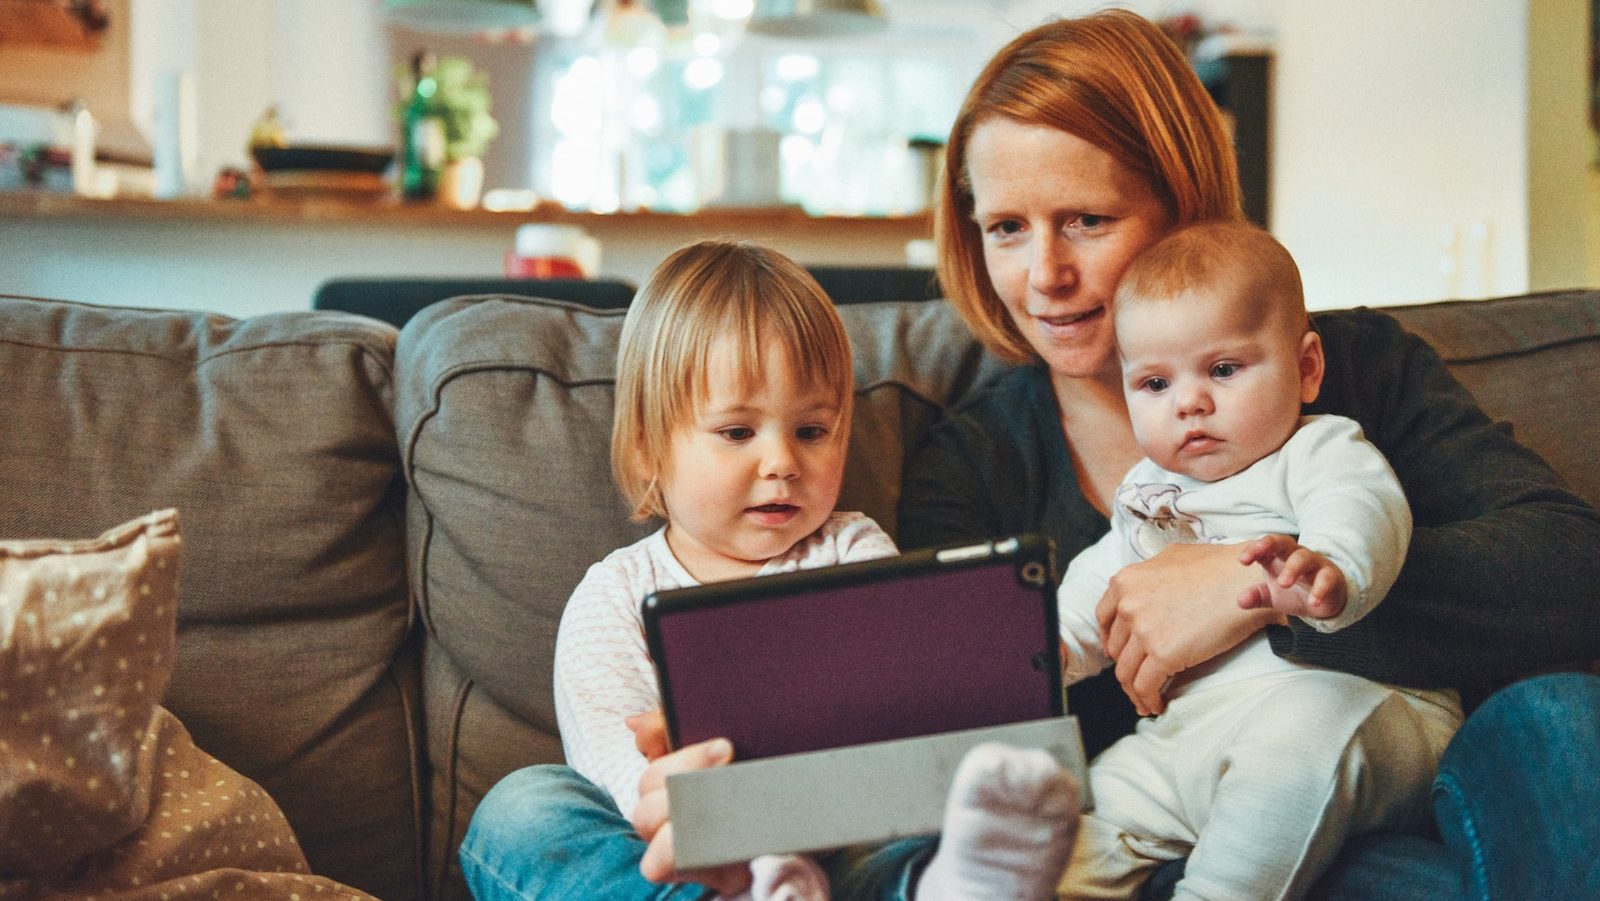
(737,433)
(812,433)
(1224,370)
(1155,384)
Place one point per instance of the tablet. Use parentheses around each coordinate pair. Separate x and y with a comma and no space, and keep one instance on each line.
(933,641)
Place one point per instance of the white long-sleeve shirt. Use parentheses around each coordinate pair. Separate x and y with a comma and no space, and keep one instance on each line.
(603,670)
(1327,485)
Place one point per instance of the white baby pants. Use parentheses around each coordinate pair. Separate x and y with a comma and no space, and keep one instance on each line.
(1258,782)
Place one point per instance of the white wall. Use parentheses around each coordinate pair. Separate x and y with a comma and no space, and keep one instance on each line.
(1399,150)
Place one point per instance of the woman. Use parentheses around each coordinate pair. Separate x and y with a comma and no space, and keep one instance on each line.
(1081,143)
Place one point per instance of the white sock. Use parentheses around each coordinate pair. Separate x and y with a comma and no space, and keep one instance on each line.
(1009,824)
(787,877)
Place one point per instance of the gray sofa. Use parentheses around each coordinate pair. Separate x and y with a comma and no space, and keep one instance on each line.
(381,528)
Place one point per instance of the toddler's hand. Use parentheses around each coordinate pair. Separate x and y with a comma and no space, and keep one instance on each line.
(1300,581)
(652,819)
(649,733)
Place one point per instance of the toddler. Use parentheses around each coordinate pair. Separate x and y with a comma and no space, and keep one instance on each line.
(1259,767)
(733,403)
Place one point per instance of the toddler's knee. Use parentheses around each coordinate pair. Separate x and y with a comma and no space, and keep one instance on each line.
(524,798)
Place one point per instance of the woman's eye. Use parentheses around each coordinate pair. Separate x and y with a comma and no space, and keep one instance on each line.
(1091,221)
(1154,385)
(1004,228)
(1224,370)
(737,433)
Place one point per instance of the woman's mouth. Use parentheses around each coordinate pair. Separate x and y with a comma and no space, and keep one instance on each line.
(1067,326)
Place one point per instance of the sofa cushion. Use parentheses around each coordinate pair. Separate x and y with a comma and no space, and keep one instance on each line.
(103,793)
(274,439)
(1531,361)
(86,634)
(504,412)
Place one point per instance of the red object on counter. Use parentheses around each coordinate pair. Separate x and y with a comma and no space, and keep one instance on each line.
(541,267)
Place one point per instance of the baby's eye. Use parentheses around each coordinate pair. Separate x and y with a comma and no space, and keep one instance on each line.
(1224,370)
(1154,384)
(737,433)
(812,433)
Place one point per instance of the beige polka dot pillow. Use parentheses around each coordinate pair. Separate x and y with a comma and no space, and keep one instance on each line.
(102,791)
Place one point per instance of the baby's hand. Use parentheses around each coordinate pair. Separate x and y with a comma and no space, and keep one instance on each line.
(1300,581)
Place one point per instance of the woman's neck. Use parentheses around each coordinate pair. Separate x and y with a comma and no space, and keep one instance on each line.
(1090,396)
(1094,419)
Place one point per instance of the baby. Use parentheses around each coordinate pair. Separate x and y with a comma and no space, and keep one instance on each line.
(1259,767)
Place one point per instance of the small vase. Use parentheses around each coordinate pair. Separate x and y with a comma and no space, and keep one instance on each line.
(461,183)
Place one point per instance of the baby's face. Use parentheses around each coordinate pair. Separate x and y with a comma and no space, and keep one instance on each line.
(1213,385)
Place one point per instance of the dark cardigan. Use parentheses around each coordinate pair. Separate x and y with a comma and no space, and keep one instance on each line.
(1502,577)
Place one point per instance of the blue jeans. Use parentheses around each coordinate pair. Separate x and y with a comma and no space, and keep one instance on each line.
(547,832)
(1515,801)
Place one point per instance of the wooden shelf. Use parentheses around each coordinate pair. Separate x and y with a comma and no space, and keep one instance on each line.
(29,204)
(58,24)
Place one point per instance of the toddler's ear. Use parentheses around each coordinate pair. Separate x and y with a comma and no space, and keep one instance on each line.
(1311,366)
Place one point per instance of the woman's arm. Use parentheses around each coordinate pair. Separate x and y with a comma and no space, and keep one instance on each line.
(1503,573)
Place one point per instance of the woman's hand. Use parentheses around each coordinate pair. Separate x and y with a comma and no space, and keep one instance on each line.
(652,818)
(1174,611)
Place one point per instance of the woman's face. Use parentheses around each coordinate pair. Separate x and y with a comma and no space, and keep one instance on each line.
(1060,220)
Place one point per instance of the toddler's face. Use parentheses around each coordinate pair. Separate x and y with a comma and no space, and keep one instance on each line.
(757,469)
(1212,385)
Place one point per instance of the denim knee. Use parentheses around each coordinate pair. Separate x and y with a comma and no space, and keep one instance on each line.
(1516,793)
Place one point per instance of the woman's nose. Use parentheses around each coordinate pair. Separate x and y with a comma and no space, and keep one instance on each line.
(1051,267)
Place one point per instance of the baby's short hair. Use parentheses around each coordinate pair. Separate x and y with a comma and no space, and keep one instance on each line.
(1215,255)
(700,295)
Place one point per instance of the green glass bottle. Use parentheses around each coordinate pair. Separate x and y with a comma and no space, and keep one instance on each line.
(422,133)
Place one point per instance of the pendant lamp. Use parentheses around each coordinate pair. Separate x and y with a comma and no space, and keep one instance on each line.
(461,16)
(816,18)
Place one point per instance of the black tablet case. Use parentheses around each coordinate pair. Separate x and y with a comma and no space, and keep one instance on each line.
(932,641)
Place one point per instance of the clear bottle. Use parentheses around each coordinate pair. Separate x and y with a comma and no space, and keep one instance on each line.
(83,131)
(422,135)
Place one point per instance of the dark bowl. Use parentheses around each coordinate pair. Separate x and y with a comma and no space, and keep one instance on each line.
(307,156)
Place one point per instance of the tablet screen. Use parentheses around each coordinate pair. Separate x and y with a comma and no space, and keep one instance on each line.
(928,642)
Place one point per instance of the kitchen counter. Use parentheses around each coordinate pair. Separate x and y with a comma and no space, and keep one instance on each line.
(252,256)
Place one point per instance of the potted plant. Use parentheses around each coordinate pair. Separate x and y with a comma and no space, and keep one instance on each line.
(452,98)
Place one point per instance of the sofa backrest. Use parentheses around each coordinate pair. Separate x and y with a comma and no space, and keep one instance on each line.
(274,439)
(1533,362)
(504,417)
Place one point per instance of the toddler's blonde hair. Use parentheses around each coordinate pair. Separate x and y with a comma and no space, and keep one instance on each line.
(700,296)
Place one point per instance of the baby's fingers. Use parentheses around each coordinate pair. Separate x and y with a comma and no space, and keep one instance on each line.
(1256,597)
(1327,594)
(1297,566)
(1266,547)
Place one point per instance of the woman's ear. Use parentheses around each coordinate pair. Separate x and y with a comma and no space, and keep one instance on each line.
(1311,366)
